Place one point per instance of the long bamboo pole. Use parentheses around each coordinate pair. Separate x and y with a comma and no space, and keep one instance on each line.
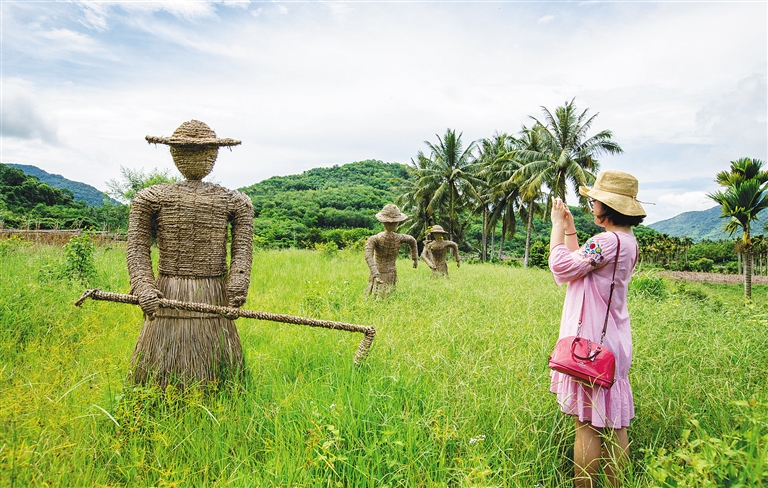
(233,313)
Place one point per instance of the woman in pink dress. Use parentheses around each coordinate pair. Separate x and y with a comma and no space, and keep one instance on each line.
(601,415)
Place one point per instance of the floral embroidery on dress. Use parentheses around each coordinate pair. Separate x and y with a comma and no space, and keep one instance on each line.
(592,252)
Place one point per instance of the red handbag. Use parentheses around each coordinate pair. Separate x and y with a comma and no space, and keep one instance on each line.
(582,359)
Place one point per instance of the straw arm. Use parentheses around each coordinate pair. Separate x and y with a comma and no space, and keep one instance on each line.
(232,312)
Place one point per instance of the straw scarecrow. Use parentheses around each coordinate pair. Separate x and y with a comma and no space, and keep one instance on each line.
(190,221)
(435,251)
(381,252)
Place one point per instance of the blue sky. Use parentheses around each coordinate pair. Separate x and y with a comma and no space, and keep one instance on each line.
(682,85)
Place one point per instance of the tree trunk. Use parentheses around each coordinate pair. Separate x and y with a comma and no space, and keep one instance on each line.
(484,251)
(748,275)
(501,239)
(528,236)
(493,239)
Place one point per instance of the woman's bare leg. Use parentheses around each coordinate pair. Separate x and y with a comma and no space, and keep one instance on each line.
(617,454)
(586,455)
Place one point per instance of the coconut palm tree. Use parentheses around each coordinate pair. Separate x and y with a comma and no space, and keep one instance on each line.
(494,168)
(744,197)
(567,154)
(413,199)
(447,174)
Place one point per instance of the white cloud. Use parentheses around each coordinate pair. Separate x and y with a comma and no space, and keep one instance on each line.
(545,19)
(23,116)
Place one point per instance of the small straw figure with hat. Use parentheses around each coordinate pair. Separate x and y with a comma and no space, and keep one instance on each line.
(435,251)
(191,221)
(381,252)
(595,308)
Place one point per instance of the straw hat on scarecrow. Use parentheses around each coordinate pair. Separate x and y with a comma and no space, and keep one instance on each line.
(390,213)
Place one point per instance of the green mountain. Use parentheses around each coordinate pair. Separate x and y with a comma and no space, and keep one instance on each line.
(81,191)
(321,204)
(704,224)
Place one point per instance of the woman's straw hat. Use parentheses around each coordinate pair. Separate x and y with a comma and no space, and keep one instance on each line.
(616,189)
(436,229)
(390,213)
(193,133)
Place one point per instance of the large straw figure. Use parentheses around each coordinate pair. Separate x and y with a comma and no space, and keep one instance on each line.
(436,250)
(381,252)
(191,221)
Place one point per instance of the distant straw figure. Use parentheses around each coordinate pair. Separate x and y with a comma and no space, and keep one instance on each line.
(381,252)
(435,251)
(190,221)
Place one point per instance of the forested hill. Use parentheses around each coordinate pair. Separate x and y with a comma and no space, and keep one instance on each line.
(302,209)
(82,192)
(704,224)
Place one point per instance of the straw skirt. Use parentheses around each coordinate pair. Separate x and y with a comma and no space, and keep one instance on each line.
(182,348)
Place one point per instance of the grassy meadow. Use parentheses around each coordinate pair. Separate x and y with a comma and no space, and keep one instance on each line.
(453,393)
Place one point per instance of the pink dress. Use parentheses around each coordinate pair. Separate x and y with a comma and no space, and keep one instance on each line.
(590,269)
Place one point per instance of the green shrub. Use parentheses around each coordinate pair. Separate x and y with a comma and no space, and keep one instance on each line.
(12,244)
(703,264)
(539,255)
(648,285)
(329,249)
(732,267)
(735,459)
(79,264)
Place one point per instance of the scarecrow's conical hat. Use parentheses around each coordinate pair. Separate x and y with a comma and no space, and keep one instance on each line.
(193,133)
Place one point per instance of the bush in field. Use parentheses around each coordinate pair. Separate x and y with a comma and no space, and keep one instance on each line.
(703,264)
(735,458)
(648,285)
(539,255)
(79,264)
(12,244)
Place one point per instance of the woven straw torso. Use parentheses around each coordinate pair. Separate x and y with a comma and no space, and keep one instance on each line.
(439,251)
(190,221)
(381,253)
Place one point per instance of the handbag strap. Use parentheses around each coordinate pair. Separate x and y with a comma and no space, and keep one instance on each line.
(610,295)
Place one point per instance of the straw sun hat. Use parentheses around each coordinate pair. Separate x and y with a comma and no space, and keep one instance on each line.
(193,133)
(390,213)
(437,229)
(616,189)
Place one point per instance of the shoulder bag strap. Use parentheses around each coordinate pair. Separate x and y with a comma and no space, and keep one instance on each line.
(610,295)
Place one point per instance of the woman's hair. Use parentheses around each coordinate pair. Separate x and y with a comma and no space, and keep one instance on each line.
(617,218)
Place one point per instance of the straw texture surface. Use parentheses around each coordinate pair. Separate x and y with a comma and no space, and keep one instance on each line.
(435,253)
(190,222)
(381,252)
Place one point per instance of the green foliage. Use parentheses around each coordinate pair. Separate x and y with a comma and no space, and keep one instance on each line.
(27,203)
(79,264)
(735,458)
(12,244)
(80,191)
(648,285)
(301,210)
(23,192)
(329,249)
(134,180)
(539,255)
(702,264)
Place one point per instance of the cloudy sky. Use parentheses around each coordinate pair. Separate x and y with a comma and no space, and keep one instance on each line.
(682,85)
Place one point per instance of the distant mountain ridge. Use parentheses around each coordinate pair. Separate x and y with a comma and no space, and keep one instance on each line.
(81,191)
(704,224)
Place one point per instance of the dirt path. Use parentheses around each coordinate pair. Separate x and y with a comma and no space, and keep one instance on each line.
(729,279)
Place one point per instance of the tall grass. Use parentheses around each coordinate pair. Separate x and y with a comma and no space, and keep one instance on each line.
(454,392)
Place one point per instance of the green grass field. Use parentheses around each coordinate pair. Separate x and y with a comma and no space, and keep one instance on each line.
(454,392)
